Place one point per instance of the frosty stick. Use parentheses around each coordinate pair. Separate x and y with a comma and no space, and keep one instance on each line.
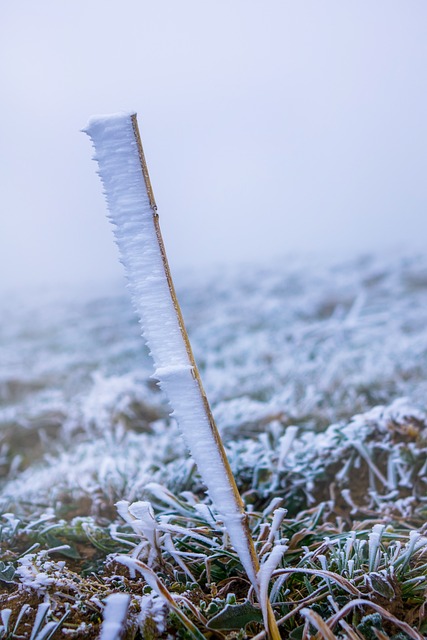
(133,212)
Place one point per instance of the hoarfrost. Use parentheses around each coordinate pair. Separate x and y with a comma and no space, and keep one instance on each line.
(132,212)
(154,609)
(275,353)
(114,616)
(39,572)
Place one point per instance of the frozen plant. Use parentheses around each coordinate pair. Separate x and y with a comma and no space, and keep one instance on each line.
(133,211)
(114,616)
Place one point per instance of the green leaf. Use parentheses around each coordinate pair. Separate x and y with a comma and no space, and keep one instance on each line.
(235,616)
(381,585)
(7,572)
(52,542)
(296,634)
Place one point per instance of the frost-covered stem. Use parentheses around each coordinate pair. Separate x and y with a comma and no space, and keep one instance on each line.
(133,211)
(114,616)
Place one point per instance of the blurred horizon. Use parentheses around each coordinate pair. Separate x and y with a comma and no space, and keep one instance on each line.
(269,130)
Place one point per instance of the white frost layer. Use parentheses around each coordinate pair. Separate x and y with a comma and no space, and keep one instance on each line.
(114,616)
(184,396)
(134,230)
(135,233)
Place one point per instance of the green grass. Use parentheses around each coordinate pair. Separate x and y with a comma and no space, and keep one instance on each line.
(200,584)
(351,550)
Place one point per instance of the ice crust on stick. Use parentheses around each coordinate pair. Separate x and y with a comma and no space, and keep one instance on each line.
(132,210)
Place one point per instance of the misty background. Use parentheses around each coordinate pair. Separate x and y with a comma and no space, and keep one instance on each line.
(270,128)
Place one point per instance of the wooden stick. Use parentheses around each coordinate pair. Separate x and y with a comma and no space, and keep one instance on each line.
(115,139)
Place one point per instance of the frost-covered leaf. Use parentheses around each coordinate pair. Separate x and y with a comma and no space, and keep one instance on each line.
(42,611)
(114,616)
(7,572)
(381,585)
(235,616)
(68,550)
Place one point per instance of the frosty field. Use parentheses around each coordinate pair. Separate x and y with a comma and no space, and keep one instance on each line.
(317,376)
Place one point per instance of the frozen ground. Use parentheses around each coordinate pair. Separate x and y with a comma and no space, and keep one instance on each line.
(295,343)
(318,377)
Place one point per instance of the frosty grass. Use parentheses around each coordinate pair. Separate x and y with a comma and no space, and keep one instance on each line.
(318,379)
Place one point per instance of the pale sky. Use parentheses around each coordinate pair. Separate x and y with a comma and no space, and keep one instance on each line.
(270,127)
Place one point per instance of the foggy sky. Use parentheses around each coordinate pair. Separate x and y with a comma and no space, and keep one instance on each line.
(269,128)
